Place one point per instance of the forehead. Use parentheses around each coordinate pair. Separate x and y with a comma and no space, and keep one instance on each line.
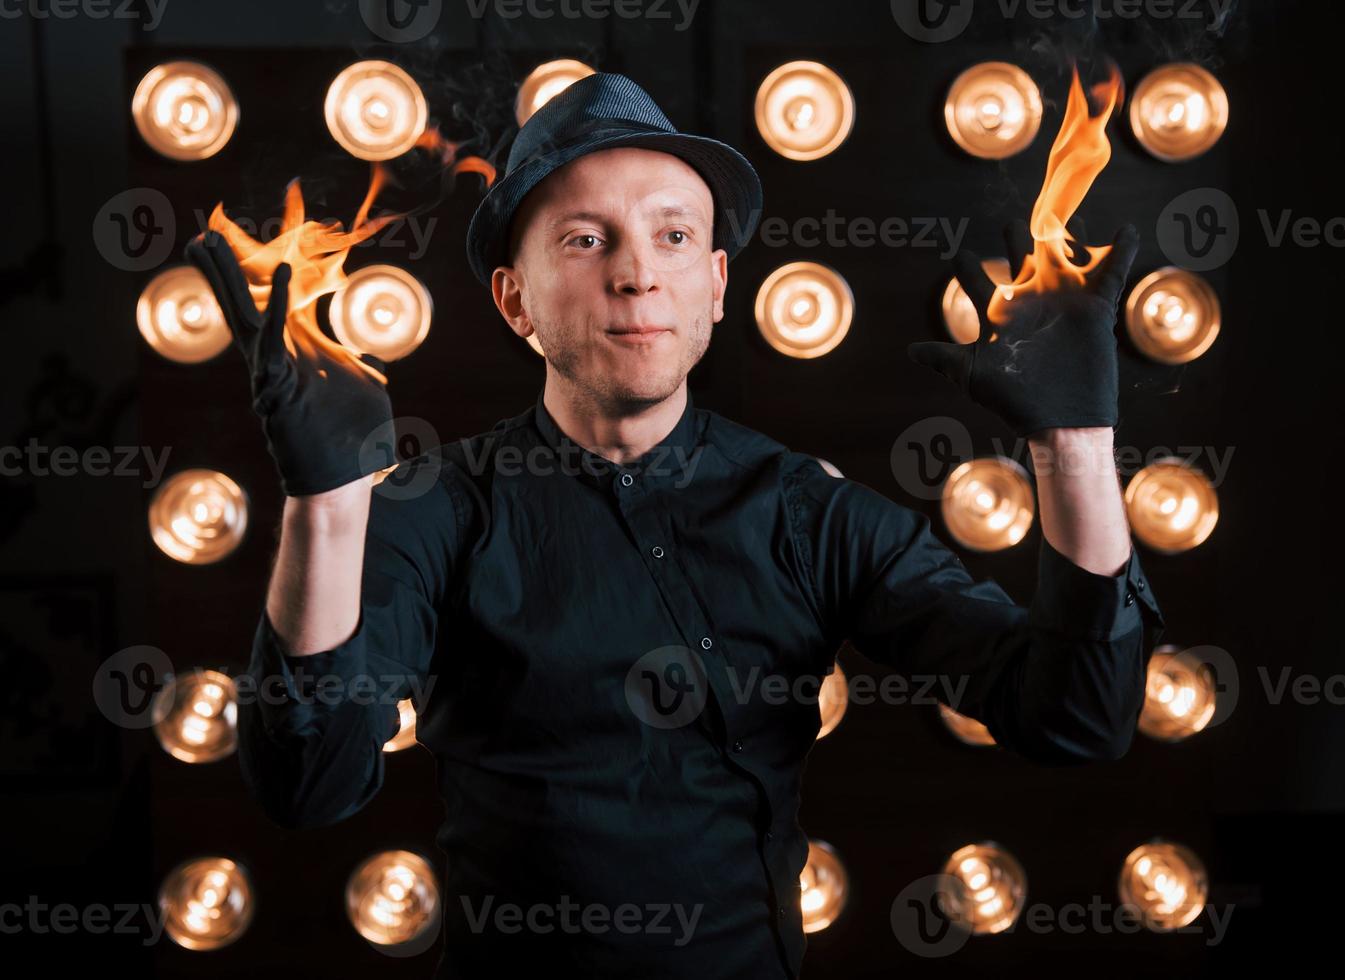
(619,181)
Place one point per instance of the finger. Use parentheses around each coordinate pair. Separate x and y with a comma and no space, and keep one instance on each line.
(271,347)
(198,256)
(1113,271)
(950,360)
(1018,244)
(972,278)
(1078,231)
(235,283)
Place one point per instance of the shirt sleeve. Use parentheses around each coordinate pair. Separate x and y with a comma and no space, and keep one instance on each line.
(312,730)
(1061,681)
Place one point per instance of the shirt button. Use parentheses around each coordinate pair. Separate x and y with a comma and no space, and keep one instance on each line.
(656,551)
(769,837)
(627,479)
(1140,584)
(780,912)
(737,745)
(1130,598)
(706,643)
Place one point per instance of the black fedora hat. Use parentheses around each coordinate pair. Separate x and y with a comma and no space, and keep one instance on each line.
(599,112)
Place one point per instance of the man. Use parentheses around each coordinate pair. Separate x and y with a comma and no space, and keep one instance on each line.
(592,603)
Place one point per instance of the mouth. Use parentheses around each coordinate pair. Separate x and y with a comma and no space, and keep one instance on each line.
(638,334)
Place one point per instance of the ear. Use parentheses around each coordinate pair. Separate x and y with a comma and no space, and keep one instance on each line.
(506,287)
(719,268)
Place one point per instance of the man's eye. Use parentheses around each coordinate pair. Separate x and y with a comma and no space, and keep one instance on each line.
(593,239)
(681,240)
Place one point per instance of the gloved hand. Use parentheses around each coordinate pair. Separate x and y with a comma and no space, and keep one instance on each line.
(1054,363)
(315,425)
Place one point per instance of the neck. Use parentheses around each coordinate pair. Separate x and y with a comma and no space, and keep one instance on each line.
(618,433)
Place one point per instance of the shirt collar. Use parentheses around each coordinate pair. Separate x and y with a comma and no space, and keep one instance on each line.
(672,460)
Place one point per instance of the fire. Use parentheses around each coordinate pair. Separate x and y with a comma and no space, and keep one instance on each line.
(316,252)
(1079,154)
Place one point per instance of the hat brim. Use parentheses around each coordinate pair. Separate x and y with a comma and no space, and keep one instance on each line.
(732,180)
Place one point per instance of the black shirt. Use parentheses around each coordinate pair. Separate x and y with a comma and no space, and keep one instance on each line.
(589,646)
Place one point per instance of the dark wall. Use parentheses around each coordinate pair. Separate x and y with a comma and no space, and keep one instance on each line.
(101,812)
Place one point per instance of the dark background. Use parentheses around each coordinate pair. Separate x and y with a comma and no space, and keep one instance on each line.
(97,814)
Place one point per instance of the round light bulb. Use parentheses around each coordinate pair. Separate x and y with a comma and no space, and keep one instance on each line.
(993,110)
(804,309)
(544,83)
(987,503)
(206,903)
(1178,111)
(1172,315)
(375,110)
(198,516)
(804,110)
(1171,505)
(381,310)
(184,110)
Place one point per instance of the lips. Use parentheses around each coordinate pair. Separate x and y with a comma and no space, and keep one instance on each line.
(639,331)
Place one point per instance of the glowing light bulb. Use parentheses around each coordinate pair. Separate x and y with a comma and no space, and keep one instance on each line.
(824,887)
(804,110)
(985,890)
(184,110)
(1172,315)
(1178,111)
(207,903)
(987,503)
(381,310)
(544,83)
(804,309)
(196,716)
(178,316)
(1172,506)
(993,110)
(1166,883)
(375,110)
(392,899)
(198,516)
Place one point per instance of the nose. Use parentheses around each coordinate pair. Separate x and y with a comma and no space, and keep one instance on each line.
(633,272)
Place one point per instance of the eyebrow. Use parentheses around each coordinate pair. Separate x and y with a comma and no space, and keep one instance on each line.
(668,211)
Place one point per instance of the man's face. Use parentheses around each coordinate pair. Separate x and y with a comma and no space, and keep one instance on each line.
(617,239)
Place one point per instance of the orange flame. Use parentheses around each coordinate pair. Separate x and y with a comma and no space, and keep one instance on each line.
(316,252)
(1079,154)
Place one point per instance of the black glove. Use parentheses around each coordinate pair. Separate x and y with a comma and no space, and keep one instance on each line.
(317,412)
(1054,364)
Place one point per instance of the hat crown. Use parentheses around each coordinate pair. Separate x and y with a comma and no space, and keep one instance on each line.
(594,102)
